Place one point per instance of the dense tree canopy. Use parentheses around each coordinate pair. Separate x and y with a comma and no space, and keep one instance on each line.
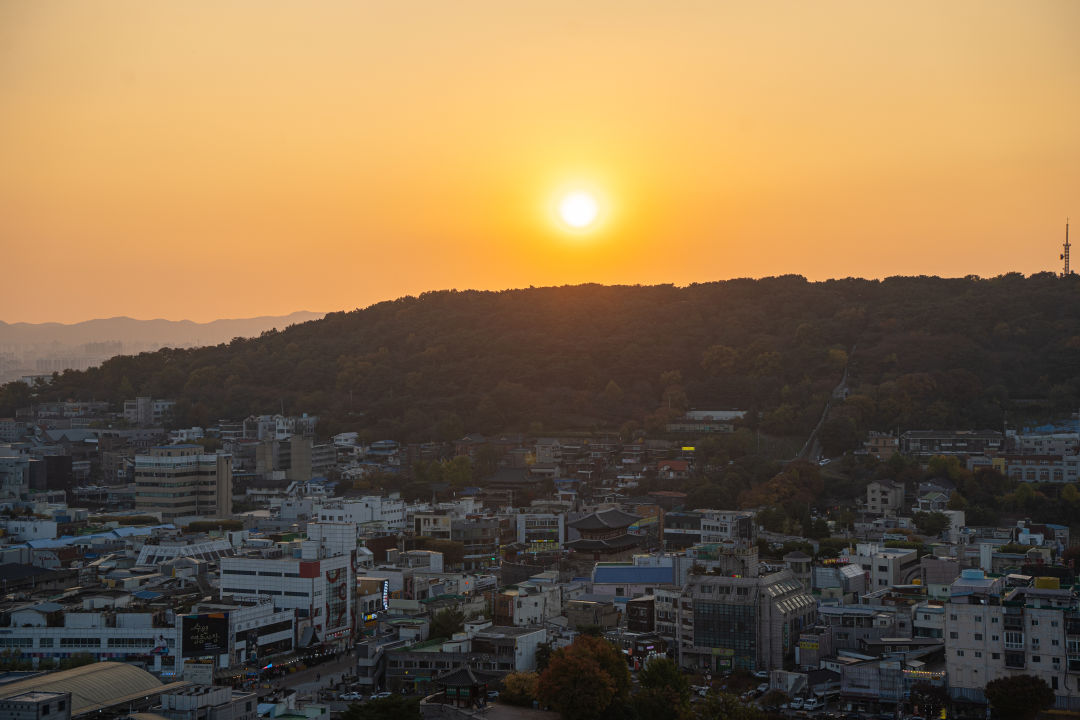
(586,680)
(1019,697)
(920,352)
(664,691)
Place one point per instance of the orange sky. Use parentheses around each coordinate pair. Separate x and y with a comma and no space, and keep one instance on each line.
(238,158)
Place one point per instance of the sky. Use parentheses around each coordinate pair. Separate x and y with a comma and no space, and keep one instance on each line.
(199,160)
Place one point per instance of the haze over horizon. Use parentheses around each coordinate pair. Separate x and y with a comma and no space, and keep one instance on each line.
(246,158)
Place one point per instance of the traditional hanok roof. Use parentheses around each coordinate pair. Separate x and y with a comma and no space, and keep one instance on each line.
(623,542)
(604,520)
(465,676)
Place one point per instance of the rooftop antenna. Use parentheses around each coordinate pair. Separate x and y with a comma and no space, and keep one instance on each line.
(1065,247)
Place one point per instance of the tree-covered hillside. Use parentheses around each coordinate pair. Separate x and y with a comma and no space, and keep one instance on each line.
(928,352)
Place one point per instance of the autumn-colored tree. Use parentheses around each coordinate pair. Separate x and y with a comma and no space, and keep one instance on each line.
(519,688)
(586,680)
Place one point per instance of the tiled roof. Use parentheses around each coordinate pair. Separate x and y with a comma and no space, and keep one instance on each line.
(605,519)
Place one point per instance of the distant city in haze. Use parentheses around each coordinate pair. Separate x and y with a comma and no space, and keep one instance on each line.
(36,349)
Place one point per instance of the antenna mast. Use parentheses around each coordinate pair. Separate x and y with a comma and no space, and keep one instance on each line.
(1065,247)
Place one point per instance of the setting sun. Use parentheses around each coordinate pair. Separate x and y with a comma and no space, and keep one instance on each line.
(578,210)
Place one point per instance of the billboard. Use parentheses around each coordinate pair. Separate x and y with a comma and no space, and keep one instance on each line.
(206,634)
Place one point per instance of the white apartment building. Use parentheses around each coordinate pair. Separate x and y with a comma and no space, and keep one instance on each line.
(992,631)
(385,513)
(884,566)
(48,631)
(1049,444)
(728,526)
(884,497)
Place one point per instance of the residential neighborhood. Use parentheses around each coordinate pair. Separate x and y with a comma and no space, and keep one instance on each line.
(220,566)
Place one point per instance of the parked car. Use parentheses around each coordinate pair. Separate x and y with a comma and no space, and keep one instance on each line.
(763,688)
(812,704)
(796,703)
(493,695)
(352,696)
(761,674)
(382,695)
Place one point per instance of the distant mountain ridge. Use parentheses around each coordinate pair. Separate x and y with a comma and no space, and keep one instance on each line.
(129,330)
(44,348)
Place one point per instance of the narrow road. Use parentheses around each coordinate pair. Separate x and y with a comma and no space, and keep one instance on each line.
(812,449)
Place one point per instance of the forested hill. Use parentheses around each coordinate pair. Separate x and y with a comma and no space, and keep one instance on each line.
(929,352)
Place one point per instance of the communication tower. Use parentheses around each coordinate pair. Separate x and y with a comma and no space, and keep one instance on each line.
(1065,250)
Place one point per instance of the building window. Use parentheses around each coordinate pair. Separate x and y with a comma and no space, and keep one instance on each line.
(953,636)
(1036,658)
(952,616)
(978,654)
(978,618)
(978,636)
(995,656)
(959,653)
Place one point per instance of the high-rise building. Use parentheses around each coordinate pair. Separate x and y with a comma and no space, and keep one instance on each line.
(183,481)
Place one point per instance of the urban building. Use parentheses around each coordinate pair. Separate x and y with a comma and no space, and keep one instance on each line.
(749,623)
(183,481)
(147,412)
(993,631)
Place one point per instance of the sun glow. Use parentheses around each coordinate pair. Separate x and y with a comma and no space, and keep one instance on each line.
(579,210)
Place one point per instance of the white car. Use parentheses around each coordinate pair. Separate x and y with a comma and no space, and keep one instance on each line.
(763,688)
(762,674)
(351,696)
(812,704)
(382,695)
(795,704)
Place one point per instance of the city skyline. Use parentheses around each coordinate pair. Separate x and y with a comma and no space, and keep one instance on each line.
(248,159)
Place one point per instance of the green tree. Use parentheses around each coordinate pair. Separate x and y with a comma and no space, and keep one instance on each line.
(543,656)
(1019,697)
(586,680)
(664,690)
(446,622)
(931,523)
(727,707)
(76,660)
(458,472)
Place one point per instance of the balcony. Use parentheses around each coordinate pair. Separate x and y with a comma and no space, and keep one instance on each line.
(1014,660)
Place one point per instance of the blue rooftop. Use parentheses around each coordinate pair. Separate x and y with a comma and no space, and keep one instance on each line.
(632,574)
